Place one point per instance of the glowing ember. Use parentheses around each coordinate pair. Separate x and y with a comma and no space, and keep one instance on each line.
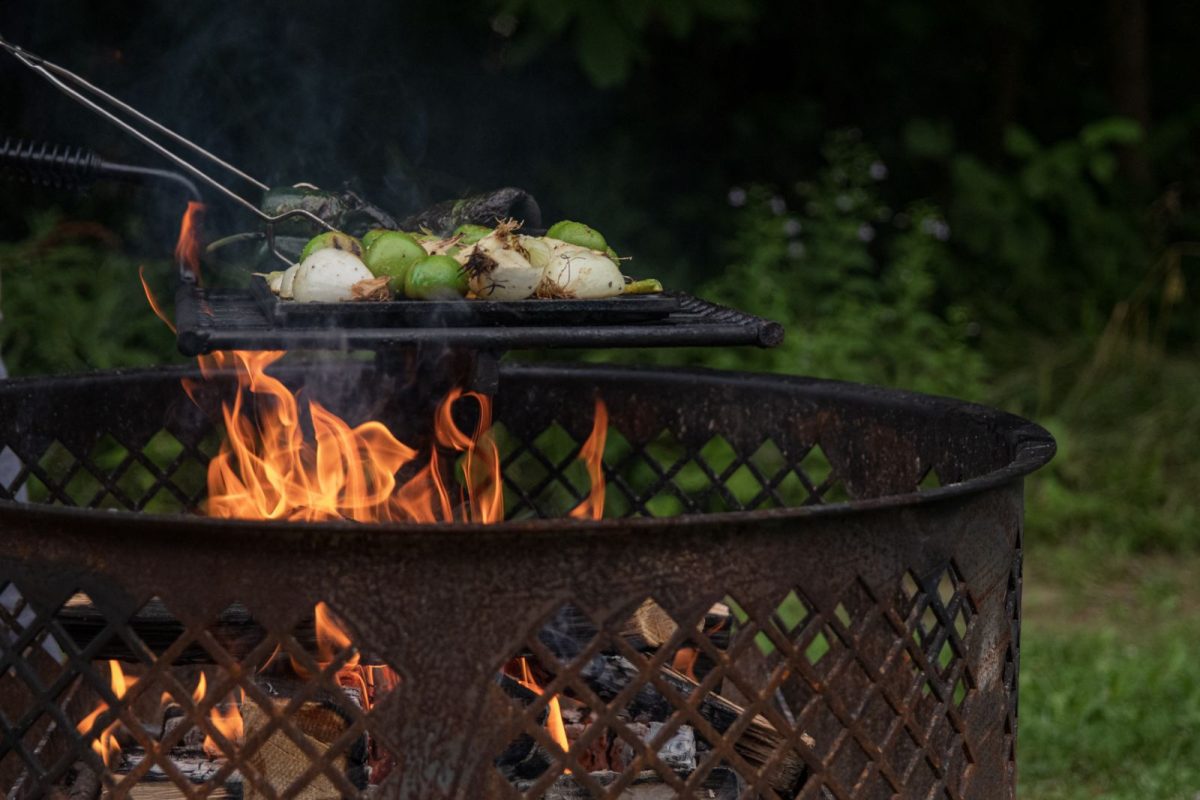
(106,745)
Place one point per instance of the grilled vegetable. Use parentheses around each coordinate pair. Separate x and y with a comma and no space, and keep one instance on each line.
(582,273)
(391,254)
(482,209)
(371,235)
(333,239)
(288,282)
(470,234)
(327,276)
(435,277)
(578,234)
(647,286)
(499,266)
(344,211)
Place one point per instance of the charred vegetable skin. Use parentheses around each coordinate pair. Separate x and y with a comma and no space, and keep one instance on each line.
(481,209)
(344,211)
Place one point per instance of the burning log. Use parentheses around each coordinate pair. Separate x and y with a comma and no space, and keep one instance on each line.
(523,758)
(608,675)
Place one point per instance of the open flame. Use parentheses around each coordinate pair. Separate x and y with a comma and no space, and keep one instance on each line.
(554,721)
(269,468)
(187,247)
(105,744)
(592,455)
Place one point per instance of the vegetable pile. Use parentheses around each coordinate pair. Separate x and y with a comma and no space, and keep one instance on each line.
(572,261)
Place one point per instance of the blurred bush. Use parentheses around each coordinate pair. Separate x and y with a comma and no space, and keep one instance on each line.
(72,301)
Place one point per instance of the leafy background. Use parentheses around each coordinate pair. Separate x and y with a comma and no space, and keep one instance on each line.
(991,200)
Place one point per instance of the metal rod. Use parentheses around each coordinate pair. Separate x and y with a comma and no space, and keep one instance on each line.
(56,75)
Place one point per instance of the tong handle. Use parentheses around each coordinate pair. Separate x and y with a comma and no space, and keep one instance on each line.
(66,167)
(96,99)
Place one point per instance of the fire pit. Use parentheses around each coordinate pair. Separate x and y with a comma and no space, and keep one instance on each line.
(436,576)
(799,589)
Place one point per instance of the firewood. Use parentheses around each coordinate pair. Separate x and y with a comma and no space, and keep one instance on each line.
(655,627)
(523,758)
(608,675)
(86,785)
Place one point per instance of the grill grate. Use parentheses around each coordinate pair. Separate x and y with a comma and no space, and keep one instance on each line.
(236,319)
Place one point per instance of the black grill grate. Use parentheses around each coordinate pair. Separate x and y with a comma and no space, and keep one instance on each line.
(233,319)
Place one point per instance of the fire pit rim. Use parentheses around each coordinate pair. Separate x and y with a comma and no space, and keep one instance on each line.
(1032,447)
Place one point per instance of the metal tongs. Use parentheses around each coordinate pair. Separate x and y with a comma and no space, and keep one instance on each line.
(111,108)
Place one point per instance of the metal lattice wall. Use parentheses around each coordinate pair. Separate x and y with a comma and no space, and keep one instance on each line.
(867,649)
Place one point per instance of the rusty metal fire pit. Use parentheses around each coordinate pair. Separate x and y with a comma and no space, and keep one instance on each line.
(805,589)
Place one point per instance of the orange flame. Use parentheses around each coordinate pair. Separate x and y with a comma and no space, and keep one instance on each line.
(685,662)
(201,689)
(229,722)
(268,468)
(106,745)
(592,454)
(554,720)
(187,247)
(154,305)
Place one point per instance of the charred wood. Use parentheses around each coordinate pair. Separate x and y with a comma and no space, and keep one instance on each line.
(608,675)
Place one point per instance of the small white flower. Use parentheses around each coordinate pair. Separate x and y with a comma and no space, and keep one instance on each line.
(737,197)
(866,232)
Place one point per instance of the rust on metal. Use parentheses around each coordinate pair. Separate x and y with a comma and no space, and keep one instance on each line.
(862,546)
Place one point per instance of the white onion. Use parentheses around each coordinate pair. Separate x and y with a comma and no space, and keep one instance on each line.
(285,284)
(509,274)
(582,273)
(327,276)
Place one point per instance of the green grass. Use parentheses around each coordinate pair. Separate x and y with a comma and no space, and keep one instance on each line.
(1110,676)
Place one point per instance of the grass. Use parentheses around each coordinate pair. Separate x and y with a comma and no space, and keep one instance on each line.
(1110,679)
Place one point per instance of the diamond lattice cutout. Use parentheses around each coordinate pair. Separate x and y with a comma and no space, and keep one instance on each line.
(543,477)
(212,704)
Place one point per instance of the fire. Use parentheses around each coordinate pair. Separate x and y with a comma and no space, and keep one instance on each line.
(106,745)
(201,689)
(269,468)
(154,305)
(554,720)
(229,722)
(187,247)
(592,454)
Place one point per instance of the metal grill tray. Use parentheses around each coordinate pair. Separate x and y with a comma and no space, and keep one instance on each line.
(461,313)
(241,319)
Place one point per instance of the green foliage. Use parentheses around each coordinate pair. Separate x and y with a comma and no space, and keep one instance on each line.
(1110,687)
(609,37)
(852,282)
(1050,237)
(1126,472)
(72,301)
